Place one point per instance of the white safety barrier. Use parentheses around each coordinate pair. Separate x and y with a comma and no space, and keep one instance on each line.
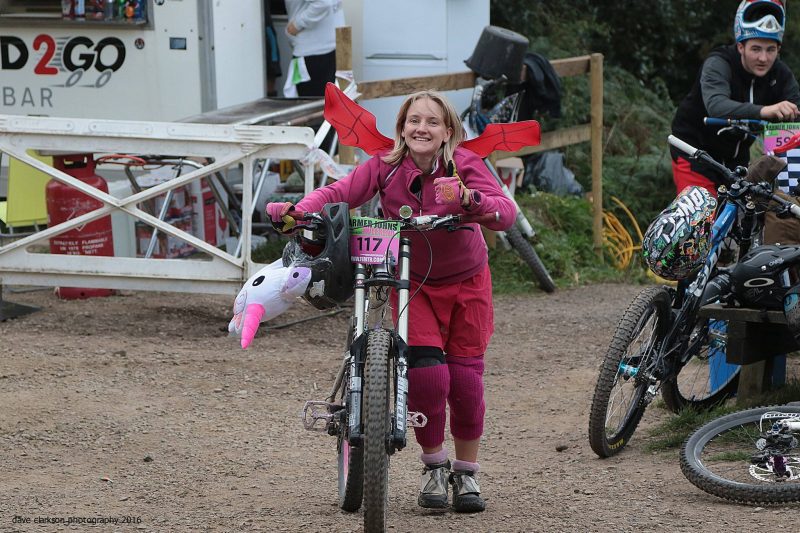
(227,145)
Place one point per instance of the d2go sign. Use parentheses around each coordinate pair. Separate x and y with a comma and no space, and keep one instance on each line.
(74,57)
(90,73)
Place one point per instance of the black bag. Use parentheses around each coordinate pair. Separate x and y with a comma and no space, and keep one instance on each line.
(547,173)
(542,88)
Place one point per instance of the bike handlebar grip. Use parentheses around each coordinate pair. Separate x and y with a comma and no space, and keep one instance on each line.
(682,145)
(795,210)
(484,219)
(711,121)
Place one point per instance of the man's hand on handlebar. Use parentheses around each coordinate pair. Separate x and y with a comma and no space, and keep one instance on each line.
(782,111)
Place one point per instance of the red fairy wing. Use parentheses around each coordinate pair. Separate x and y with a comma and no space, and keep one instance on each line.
(792,143)
(506,137)
(355,125)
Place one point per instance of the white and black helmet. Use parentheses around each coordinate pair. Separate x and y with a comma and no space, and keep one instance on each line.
(760,19)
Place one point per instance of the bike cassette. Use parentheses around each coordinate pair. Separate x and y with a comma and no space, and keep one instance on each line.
(314,411)
(415,419)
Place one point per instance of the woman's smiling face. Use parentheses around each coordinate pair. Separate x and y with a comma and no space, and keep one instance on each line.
(425,131)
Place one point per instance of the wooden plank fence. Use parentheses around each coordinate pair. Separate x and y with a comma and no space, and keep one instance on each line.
(574,66)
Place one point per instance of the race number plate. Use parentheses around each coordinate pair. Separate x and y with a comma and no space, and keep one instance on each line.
(373,240)
(775,136)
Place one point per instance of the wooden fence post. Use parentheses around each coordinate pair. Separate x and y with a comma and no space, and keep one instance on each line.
(596,80)
(344,61)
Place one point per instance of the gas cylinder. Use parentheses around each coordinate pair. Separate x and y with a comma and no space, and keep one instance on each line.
(65,203)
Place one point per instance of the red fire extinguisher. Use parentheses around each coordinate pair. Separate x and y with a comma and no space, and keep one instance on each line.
(65,203)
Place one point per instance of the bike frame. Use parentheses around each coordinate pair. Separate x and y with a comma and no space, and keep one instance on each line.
(663,364)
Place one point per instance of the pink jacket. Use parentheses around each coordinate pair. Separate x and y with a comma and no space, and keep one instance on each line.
(452,256)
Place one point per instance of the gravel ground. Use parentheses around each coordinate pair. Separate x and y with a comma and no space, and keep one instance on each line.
(139,407)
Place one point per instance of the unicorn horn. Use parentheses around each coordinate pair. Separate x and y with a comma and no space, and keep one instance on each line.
(252,317)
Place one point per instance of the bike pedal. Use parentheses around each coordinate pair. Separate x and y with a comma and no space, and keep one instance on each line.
(415,419)
(314,411)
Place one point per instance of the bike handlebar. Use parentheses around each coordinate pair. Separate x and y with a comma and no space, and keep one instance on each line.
(737,181)
(683,146)
(741,122)
(420,222)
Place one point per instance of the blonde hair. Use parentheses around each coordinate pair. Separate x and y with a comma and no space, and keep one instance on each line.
(450,119)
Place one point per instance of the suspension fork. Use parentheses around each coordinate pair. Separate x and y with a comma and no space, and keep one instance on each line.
(401,348)
(357,354)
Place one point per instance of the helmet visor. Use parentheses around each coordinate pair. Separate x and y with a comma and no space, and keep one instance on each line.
(766,16)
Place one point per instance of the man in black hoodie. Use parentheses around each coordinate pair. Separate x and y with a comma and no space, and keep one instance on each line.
(744,80)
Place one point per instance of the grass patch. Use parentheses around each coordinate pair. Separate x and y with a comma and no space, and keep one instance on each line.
(564,243)
(269,251)
(672,433)
(729,457)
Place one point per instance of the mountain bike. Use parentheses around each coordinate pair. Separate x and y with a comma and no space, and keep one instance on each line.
(750,456)
(661,343)
(366,409)
(475,118)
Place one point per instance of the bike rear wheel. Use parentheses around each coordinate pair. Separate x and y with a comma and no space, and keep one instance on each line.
(528,254)
(618,402)
(718,458)
(706,379)
(376,419)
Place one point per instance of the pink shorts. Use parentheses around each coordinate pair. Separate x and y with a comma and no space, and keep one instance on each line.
(457,318)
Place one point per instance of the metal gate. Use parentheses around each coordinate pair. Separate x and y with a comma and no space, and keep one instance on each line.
(223,145)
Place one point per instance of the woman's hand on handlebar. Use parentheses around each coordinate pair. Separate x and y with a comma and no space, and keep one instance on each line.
(782,111)
(278,213)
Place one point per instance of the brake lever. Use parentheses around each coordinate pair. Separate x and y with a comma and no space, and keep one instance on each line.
(784,211)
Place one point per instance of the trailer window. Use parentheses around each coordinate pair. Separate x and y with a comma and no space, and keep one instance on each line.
(133,12)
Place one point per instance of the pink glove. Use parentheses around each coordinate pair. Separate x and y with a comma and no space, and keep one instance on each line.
(277,213)
(448,190)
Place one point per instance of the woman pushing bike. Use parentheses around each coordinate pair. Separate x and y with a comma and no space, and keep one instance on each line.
(741,81)
(428,168)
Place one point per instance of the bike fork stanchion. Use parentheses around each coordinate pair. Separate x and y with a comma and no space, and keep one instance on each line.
(401,350)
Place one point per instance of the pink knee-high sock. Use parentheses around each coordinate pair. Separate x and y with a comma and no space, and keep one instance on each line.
(467,406)
(427,393)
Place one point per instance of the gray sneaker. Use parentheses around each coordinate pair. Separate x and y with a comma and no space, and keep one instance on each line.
(433,486)
(466,492)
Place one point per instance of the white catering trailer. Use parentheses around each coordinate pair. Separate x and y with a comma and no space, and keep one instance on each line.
(182,58)
(186,57)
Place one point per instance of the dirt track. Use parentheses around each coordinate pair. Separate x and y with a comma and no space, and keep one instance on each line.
(140,406)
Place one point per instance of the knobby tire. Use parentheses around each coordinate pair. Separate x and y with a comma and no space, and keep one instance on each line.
(528,254)
(376,419)
(716,459)
(618,400)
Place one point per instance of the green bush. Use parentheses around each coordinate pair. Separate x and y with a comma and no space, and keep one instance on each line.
(564,243)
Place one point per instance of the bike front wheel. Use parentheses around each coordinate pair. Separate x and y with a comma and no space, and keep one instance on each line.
(528,254)
(619,396)
(705,379)
(376,419)
(728,458)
